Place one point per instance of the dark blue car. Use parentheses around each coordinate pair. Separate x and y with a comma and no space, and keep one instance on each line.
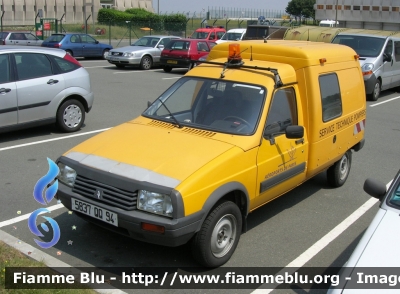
(78,45)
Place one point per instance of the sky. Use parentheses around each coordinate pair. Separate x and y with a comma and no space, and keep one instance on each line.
(198,5)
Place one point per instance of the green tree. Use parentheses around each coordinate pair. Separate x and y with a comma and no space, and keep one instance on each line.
(301,9)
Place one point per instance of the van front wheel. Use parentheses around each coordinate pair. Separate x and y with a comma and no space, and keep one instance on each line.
(339,172)
(219,235)
(376,92)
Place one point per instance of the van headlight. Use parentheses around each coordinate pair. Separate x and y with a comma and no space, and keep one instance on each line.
(155,203)
(67,174)
(367,69)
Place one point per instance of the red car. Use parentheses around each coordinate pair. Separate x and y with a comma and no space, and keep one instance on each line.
(178,53)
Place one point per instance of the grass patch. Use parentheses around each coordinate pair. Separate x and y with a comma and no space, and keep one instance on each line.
(10,257)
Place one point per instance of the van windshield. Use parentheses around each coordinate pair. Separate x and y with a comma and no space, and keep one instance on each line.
(232,36)
(215,105)
(363,45)
(200,35)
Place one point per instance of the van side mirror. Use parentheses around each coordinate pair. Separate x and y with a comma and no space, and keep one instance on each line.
(387,57)
(375,188)
(294,132)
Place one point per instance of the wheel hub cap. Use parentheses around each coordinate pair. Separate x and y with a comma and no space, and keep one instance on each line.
(72,116)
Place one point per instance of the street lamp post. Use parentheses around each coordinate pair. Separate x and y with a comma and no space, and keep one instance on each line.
(336,13)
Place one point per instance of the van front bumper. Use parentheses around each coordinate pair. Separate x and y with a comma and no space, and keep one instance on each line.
(369,84)
(177,231)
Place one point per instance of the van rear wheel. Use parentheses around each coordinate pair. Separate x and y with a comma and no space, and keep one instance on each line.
(376,92)
(339,172)
(219,235)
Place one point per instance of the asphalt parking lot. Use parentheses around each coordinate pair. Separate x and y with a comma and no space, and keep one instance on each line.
(313,225)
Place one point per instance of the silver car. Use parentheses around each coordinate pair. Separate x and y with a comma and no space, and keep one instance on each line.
(376,253)
(145,52)
(19,38)
(42,86)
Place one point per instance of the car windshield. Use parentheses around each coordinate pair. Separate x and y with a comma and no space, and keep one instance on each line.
(221,106)
(146,42)
(394,199)
(364,46)
(200,35)
(232,36)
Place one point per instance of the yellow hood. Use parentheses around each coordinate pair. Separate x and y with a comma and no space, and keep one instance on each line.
(159,150)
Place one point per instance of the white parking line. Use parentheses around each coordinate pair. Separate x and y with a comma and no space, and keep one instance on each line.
(54,139)
(26,216)
(171,78)
(140,71)
(376,104)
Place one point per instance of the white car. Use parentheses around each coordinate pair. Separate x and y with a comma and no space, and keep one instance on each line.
(232,35)
(376,253)
(41,86)
(145,52)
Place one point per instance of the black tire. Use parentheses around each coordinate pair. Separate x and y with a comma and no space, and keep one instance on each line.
(70,116)
(167,68)
(146,62)
(339,172)
(376,92)
(219,235)
(120,65)
(105,53)
(69,52)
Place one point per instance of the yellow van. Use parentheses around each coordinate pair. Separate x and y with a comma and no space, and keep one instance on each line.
(234,133)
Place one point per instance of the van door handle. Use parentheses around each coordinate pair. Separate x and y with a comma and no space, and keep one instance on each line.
(300,141)
(5,90)
(51,82)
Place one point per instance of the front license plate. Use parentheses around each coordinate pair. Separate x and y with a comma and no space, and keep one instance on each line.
(172,61)
(95,211)
(112,58)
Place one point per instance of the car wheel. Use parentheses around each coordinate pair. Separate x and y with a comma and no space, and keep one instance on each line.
(167,68)
(339,172)
(146,62)
(376,92)
(120,65)
(105,53)
(69,52)
(70,116)
(219,235)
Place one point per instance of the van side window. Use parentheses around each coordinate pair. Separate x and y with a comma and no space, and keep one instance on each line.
(389,48)
(397,50)
(330,97)
(282,112)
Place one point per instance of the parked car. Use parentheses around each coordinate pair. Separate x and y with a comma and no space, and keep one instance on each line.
(42,86)
(373,254)
(78,45)
(178,53)
(232,35)
(144,53)
(209,33)
(19,38)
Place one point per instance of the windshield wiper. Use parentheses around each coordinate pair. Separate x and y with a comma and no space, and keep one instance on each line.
(170,113)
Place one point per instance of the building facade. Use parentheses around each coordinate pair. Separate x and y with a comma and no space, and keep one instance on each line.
(24,12)
(364,14)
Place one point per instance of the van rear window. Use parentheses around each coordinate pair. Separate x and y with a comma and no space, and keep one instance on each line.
(330,97)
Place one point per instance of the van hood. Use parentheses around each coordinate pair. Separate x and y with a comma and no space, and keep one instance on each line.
(158,154)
